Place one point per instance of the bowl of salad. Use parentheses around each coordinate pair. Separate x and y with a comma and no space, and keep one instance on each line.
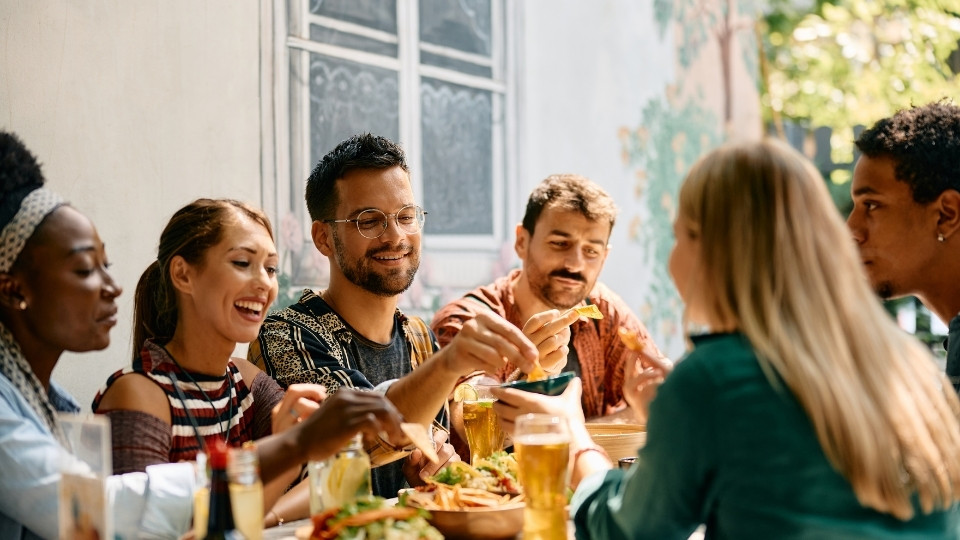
(482,501)
(373,518)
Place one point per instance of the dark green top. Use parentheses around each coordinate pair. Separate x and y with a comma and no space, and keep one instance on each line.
(727,449)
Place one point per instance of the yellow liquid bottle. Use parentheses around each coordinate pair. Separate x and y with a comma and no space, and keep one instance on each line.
(246,491)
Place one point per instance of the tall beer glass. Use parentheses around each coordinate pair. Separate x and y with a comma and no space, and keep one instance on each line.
(484,435)
(542,447)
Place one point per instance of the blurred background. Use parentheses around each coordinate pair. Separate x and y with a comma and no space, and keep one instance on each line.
(136,107)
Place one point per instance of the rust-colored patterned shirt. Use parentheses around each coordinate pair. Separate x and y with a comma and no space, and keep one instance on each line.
(598,347)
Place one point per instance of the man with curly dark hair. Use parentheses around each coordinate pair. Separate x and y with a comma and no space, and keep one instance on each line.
(906,214)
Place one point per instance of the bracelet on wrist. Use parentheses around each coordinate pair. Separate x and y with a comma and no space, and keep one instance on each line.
(591,448)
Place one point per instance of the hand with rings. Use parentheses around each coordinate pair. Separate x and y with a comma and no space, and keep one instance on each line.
(299,402)
(550,332)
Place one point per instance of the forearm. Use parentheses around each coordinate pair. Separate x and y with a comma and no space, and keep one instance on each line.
(585,462)
(279,454)
(419,395)
(293,505)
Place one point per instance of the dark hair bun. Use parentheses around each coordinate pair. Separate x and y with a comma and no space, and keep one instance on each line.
(19,175)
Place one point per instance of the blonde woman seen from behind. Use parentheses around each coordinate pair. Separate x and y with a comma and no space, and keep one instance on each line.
(805,412)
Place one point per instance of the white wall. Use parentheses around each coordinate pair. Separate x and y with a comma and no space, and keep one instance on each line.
(589,68)
(134,108)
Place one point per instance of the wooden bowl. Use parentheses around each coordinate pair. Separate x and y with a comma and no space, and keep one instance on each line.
(480,523)
(619,440)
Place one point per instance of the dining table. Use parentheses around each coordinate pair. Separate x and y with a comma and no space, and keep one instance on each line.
(287,531)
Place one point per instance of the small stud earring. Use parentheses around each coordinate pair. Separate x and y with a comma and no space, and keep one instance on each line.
(940,237)
(22,306)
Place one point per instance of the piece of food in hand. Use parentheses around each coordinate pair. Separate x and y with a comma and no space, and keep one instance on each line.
(591,311)
(372,519)
(537,374)
(633,340)
(420,438)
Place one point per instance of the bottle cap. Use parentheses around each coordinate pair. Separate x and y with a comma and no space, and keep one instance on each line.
(217,454)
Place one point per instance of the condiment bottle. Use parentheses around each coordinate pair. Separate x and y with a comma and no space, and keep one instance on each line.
(220,524)
(246,490)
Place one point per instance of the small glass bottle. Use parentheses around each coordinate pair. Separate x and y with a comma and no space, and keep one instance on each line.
(246,490)
(220,525)
(347,476)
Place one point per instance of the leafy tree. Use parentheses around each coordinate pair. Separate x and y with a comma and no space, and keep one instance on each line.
(843,63)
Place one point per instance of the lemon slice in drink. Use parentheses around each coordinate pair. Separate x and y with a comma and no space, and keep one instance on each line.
(347,478)
(465,392)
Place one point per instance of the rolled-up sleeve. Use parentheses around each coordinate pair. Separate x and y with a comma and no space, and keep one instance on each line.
(154,504)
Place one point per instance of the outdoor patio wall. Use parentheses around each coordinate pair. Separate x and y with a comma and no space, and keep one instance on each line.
(134,109)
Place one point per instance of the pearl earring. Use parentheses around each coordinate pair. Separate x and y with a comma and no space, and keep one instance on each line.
(22,305)
(940,237)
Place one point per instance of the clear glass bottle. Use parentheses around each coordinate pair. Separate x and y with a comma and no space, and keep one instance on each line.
(347,475)
(246,490)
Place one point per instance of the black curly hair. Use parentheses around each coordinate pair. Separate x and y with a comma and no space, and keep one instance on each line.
(924,144)
(364,151)
(19,175)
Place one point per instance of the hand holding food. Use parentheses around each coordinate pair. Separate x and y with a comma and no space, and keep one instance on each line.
(549,331)
(643,377)
(487,343)
(345,414)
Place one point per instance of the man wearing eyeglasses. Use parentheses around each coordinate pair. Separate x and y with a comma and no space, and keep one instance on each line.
(367,223)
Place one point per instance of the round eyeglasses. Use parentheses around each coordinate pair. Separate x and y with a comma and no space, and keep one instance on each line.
(372,223)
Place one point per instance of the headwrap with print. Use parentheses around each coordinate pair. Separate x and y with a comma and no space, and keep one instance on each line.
(24,203)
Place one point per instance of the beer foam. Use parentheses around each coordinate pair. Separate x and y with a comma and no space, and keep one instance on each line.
(541,439)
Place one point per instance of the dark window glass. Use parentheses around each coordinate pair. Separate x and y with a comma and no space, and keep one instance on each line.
(376,14)
(463,24)
(457,146)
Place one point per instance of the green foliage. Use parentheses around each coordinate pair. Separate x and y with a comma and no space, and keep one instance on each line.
(844,63)
(671,138)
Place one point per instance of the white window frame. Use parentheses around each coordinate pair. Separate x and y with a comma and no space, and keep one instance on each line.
(286,152)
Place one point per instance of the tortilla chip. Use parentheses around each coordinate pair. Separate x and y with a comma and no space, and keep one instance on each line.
(591,311)
(420,438)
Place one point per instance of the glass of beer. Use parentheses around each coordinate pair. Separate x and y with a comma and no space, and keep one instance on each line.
(542,448)
(484,435)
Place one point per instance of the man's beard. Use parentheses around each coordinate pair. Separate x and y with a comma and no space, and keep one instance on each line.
(564,300)
(362,276)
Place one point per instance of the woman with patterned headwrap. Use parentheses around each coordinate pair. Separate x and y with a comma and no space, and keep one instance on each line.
(57,295)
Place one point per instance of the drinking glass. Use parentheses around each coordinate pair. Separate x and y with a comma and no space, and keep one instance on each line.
(484,435)
(542,448)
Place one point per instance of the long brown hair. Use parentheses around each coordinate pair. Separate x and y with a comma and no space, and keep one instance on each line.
(191,231)
(779,264)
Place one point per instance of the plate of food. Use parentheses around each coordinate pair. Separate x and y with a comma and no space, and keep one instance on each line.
(552,386)
(464,501)
(369,518)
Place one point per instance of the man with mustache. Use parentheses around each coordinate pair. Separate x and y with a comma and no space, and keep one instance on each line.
(906,212)
(562,243)
(368,225)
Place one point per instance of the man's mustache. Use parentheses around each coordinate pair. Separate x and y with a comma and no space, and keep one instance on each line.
(568,275)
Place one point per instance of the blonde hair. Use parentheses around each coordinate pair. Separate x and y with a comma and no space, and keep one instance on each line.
(779,264)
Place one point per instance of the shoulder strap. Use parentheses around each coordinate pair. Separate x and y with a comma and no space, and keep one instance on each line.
(418,336)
